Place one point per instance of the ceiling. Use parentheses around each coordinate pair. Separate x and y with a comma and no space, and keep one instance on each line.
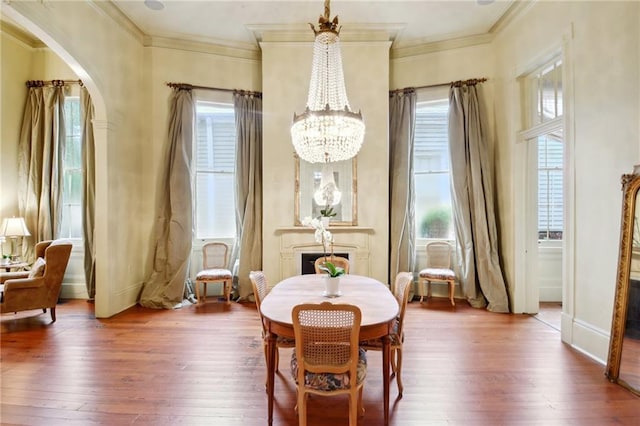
(239,23)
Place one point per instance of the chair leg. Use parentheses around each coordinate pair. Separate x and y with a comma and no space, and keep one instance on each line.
(399,370)
(394,364)
(452,289)
(421,288)
(354,397)
(204,292)
(302,408)
(198,291)
(53,313)
(428,289)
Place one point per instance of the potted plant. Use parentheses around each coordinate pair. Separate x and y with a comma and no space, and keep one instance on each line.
(332,270)
(332,280)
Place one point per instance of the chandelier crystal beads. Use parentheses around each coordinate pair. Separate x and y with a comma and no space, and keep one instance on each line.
(328,130)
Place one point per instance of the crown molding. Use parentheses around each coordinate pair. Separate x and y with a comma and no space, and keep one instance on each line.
(20,35)
(303,33)
(181,42)
(517,9)
(438,46)
(109,9)
(203,46)
(266,33)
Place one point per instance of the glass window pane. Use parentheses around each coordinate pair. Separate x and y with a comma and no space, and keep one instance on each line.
(433,213)
(215,209)
(71,225)
(558,78)
(214,156)
(433,206)
(550,186)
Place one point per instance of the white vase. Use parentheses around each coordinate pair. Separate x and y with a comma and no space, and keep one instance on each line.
(331,286)
(325,221)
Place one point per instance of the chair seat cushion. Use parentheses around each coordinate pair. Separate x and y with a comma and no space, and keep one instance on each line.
(282,342)
(214,274)
(286,342)
(329,381)
(377,343)
(438,274)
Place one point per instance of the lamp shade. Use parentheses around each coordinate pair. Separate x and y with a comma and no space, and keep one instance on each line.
(14,227)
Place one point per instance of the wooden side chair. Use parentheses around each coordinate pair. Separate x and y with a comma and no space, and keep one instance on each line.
(260,290)
(438,269)
(339,261)
(401,290)
(328,359)
(215,257)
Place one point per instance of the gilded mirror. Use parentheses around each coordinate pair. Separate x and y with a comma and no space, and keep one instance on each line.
(623,363)
(309,198)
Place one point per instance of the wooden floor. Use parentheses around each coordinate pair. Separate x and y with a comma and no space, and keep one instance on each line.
(204,365)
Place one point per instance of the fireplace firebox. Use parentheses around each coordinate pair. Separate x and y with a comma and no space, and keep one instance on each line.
(308,261)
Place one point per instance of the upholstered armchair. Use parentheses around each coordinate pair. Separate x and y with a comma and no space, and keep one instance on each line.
(40,287)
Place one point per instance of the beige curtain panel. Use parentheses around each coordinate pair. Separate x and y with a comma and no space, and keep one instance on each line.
(248,246)
(473,202)
(402,117)
(88,190)
(173,229)
(40,155)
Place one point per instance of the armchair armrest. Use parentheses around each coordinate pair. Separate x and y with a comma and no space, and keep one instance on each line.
(5,276)
(23,283)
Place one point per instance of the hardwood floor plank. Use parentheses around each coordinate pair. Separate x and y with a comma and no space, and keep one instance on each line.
(204,365)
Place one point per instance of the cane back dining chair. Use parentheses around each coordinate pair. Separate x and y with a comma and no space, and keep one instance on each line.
(260,290)
(338,261)
(328,359)
(438,269)
(215,256)
(401,291)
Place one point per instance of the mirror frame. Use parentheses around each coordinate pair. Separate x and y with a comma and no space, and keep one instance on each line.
(630,187)
(354,196)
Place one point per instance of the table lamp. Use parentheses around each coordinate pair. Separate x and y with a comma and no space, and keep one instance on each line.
(14,228)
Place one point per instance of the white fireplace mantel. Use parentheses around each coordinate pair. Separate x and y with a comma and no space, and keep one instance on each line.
(295,240)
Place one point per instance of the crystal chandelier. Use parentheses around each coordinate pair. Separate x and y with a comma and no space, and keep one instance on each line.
(328,130)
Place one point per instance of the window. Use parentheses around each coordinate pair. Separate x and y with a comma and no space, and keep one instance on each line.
(71,225)
(215,151)
(545,130)
(550,202)
(433,211)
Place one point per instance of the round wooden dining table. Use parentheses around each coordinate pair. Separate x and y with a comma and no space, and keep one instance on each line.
(376,302)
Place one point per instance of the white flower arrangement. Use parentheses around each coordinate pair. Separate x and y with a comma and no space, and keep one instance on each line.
(323,237)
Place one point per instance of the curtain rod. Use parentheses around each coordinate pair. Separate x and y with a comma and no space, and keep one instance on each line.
(459,83)
(186,86)
(55,83)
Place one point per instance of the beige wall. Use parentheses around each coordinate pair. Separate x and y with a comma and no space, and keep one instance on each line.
(286,70)
(109,61)
(604,56)
(17,62)
(601,41)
